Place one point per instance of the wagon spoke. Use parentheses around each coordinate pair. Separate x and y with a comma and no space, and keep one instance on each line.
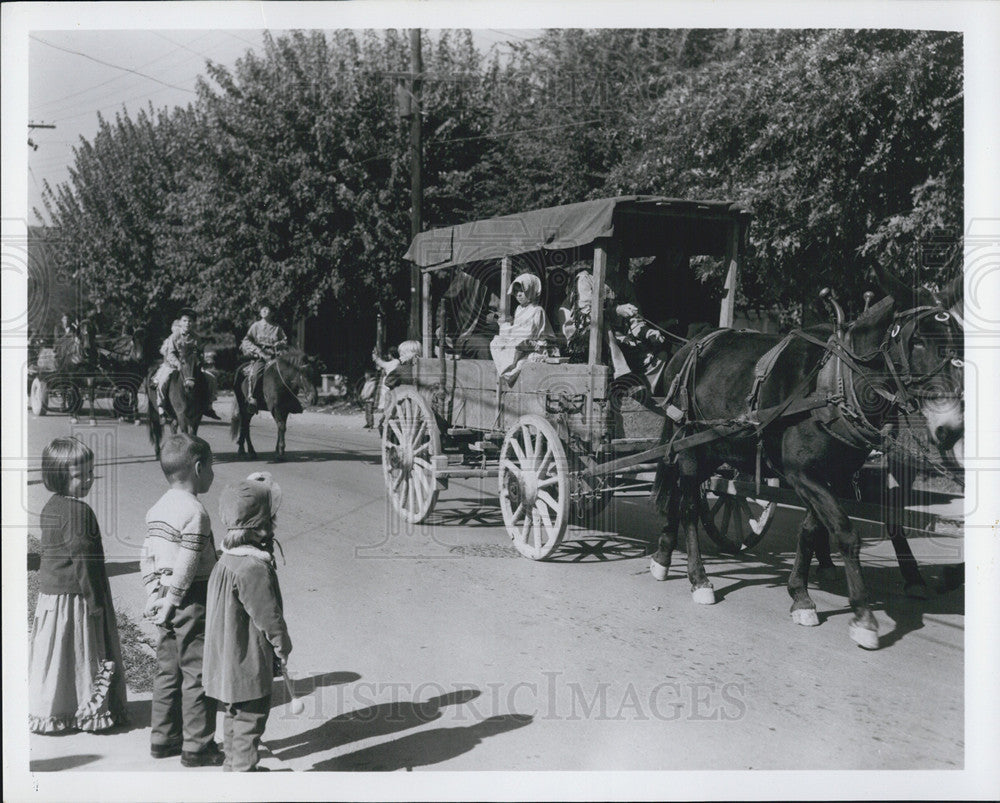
(421,486)
(719,502)
(518,452)
(529,446)
(525,527)
(419,461)
(726,513)
(420,432)
(512,467)
(546,497)
(518,512)
(548,461)
(549,482)
(398,482)
(737,538)
(411,494)
(394,426)
(544,516)
(536,528)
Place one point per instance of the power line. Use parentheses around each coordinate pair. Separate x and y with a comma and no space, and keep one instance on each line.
(144,96)
(184,47)
(76,95)
(109,64)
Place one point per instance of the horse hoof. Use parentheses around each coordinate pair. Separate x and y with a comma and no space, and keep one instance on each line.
(704,596)
(916,591)
(74,420)
(863,636)
(805,616)
(92,423)
(658,570)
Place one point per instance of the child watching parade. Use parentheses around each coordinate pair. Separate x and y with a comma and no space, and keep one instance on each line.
(246,631)
(177,559)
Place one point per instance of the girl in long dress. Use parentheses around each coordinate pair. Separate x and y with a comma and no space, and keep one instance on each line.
(517,341)
(77,679)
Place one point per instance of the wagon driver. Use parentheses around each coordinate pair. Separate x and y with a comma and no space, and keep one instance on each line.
(264,340)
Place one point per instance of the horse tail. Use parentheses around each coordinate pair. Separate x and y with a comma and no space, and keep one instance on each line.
(153,423)
(236,415)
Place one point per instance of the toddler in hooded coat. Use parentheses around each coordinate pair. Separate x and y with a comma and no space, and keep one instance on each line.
(245,629)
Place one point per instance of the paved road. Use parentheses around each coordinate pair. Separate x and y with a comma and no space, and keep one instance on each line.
(438,647)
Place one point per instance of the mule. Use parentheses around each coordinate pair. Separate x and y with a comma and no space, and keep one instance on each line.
(186,397)
(282,380)
(813,450)
(902,467)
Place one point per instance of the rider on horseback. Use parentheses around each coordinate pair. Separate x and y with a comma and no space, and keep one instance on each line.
(182,339)
(264,340)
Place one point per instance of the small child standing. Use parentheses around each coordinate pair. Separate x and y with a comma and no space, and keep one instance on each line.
(77,676)
(177,559)
(246,629)
(368,393)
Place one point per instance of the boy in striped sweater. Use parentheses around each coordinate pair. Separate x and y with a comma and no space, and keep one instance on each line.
(177,559)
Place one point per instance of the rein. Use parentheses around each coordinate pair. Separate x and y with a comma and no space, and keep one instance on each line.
(840,410)
(277,368)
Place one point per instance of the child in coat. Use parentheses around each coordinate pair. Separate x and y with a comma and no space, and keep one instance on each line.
(77,678)
(246,628)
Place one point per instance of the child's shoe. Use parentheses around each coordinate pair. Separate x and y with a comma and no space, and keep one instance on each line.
(210,756)
(165,750)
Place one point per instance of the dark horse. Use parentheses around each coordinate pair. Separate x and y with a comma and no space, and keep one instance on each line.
(186,396)
(282,380)
(883,362)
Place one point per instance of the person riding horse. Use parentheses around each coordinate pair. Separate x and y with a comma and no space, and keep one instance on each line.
(263,341)
(182,340)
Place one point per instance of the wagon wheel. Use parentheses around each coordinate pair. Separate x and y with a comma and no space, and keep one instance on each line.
(70,397)
(410,442)
(534,487)
(39,396)
(125,397)
(735,523)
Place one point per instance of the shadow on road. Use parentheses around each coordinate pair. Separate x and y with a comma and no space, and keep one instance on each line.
(424,748)
(303,687)
(366,723)
(307,456)
(884,584)
(599,548)
(466,512)
(61,763)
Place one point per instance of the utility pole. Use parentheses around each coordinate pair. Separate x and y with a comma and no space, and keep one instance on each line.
(416,178)
(31,143)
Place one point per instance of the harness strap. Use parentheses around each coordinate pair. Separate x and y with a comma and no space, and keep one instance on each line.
(681,392)
(762,370)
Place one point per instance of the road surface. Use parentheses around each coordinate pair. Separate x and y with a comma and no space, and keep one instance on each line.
(438,647)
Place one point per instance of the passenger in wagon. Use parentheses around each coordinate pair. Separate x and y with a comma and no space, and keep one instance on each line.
(524,338)
(629,337)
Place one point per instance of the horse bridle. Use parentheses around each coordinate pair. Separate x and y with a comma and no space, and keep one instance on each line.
(893,351)
(898,339)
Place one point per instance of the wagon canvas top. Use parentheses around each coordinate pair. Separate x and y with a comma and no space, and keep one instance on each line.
(643,223)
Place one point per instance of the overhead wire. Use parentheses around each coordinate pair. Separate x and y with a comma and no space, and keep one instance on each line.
(109,64)
(78,93)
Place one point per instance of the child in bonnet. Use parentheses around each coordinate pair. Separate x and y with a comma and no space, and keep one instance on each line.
(245,630)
